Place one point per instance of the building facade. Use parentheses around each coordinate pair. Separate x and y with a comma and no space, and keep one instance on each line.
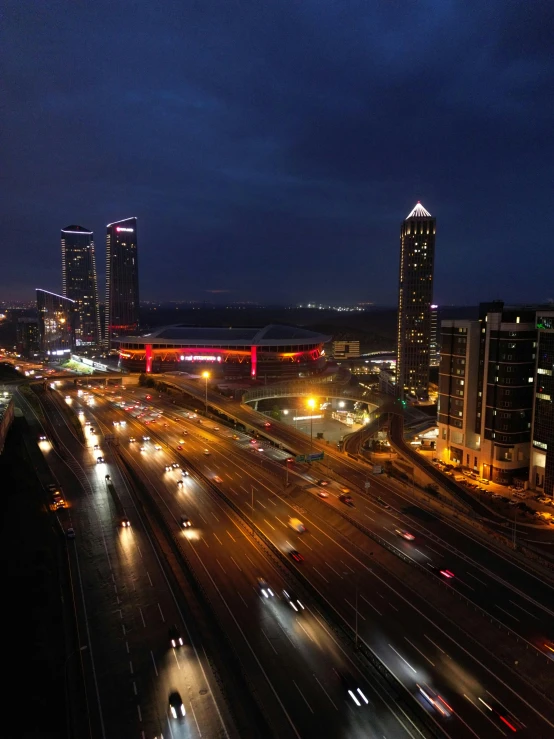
(122,283)
(541,470)
(27,336)
(486,392)
(6,417)
(79,282)
(434,347)
(346,349)
(415,295)
(231,353)
(56,323)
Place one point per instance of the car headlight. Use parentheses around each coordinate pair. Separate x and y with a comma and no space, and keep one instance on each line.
(173,642)
(173,712)
(183,712)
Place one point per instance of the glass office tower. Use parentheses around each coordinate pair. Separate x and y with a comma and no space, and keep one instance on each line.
(79,282)
(122,288)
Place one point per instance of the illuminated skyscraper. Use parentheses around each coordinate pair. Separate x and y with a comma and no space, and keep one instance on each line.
(417,261)
(79,282)
(122,289)
(56,323)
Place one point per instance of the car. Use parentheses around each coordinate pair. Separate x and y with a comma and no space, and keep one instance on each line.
(347,500)
(146,438)
(513,502)
(166,425)
(235,437)
(116,423)
(185,433)
(217,478)
(179,448)
(158,447)
(70,533)
(289,460)
(215,428)
(264,589)
(107,478)
(323,494)
(123,423)
(383,503)
(42,437)
(175,465)
(207,452)
(176,706)
(180,483)
(99,460)
(484,481)
(296,555)
(293,601)
(404,534)
(175,638)
(351,685)
(439,570)
(253,441)
(143,449)
(168,468)
(52,488)
(323,483)
(186,523)
(435,700)
(92,430)
(266,425)
(126,524)
(96,446)
(185,473)
(148,397)
(181,441)
(345,490)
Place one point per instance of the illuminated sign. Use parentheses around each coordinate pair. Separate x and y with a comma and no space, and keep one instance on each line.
(120,228)
(200,358)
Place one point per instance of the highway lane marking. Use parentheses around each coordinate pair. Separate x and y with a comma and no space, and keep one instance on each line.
(302,694)
(307,545)
(319,573)
(149,578)
(139,551)
(402,658)
(202,517)
(504,707)
(332,568)
(371,605)
(434,550)
(326,693)
(354,608)
(260,503)
(272,501)
(465,584)
(435,645)
(205,542)
(284,524)
(347,567)
(304,630)
(506,612)
(135,688)
(195,721)
(139,714)
(233,491)
(371,519)
(285,633)
(123,627)
(250,559)
(267,522)
(422,553)
(236,563)
(240,596)
(161,613)
(219,563)
(391,605)
(142,616)
(213,514)
(127,646)
(419,650)
(523,609)
(217,537)
(476,578)
(269,642)
(175,655)
(131,666)
(483,714)
(232,537)
(319,542)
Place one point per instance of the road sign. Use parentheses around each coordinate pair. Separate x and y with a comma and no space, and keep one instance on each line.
(367,484)
(315,457)
(377,469)
(300,458)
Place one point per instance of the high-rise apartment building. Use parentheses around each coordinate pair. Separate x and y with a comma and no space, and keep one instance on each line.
(417,261)
(434,347)
(486,391)
(122,288)
(79,282)
(27,336)
(56,323)
(541,470)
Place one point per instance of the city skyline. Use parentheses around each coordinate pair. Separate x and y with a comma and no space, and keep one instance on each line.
(283,142)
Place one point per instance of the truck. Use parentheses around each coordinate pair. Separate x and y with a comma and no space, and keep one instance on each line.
(297,525)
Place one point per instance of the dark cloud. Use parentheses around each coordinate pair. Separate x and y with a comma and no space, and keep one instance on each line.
(272,149)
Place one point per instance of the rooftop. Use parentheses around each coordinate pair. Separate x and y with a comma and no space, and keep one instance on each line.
(419,212)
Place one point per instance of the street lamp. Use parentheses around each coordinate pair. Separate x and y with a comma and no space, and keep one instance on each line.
(311,406)
(206,376)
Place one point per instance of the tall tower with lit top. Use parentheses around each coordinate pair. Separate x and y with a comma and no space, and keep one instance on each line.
(122,284)
(415,295)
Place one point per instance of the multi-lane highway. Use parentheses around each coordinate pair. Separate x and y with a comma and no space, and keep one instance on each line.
(429,653)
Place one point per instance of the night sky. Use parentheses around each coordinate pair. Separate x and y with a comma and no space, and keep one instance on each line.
(270,149)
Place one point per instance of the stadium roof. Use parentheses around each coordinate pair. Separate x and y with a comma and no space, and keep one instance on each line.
(272,335)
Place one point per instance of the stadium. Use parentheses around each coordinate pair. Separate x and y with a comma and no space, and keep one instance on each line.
(232,353)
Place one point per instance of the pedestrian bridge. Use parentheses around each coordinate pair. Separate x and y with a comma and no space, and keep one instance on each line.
(307,389)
